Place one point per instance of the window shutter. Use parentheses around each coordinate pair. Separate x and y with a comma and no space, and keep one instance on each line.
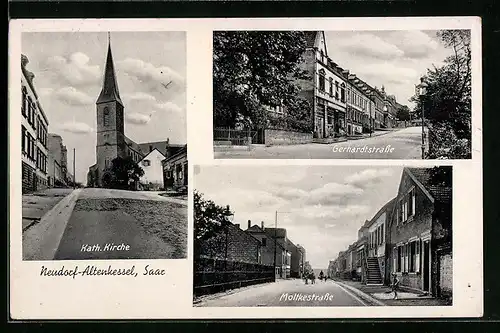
(417,250)
(394,257)
(413,202)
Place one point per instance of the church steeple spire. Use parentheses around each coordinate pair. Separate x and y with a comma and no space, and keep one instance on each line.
(109,92)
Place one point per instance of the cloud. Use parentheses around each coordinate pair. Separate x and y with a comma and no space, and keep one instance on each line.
(333,193)
(137,118)
(140,97)
(367,45)
(388,72)
(150,74)
(367,177)
(74,70)
(332,212)
(415,44)
(72,96)
(290,193)
(169,107)
(76,128)
(45,91)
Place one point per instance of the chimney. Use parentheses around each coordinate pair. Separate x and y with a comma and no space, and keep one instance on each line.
(262,224)
(249,224)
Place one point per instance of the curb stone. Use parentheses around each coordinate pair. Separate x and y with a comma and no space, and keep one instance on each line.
(41,241)
(363,295)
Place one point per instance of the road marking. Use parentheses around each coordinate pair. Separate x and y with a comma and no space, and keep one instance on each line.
(351,294)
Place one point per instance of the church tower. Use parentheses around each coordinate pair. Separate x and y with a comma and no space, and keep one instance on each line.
(110,126)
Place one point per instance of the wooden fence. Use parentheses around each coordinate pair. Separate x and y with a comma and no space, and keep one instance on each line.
(214,275)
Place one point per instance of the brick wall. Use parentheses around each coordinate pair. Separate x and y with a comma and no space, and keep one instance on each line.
(280,137)
(241,246)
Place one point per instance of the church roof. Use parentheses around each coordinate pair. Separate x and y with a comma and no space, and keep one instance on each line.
(109,92)
(160,145)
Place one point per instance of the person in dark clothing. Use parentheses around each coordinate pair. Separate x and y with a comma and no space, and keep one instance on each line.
(395,285)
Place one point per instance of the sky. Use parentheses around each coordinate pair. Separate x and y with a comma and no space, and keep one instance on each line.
(69,69)
(322,207)
(394,59)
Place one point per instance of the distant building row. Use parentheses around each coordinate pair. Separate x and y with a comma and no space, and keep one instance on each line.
(258,245)
(342,103)
(410,236)
(44,157)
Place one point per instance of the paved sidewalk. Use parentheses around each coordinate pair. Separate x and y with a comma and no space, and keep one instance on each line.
(385,295)
(36,205)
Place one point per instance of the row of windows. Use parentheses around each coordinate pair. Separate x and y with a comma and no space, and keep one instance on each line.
(355,115)
(406,257)
(28,144)
(356,99)
(336,90)
(406,207)
(28,147)
(377,237)
(29,111)
(41,161)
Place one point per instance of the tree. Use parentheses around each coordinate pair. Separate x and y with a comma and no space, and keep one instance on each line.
(253,70)
(210,220)
(124,171)
(447,104)
(403,113)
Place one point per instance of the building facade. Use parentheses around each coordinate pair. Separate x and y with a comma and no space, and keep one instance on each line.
(175,168)
(34,135)
(153,170)
(421,233)
(326,91)
(58,174)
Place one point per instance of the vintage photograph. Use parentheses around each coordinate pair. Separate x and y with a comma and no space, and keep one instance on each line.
(322,236)
(104,147)
(381,94)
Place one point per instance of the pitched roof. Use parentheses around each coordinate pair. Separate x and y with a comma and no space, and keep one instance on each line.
(439,193)
(109,90)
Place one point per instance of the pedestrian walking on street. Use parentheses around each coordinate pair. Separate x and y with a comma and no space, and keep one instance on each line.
(395,285)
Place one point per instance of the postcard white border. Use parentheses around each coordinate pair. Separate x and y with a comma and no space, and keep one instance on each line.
(34,297)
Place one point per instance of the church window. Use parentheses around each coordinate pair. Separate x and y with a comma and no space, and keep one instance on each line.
(106,117)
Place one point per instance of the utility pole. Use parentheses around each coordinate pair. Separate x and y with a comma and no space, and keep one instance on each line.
(74,174)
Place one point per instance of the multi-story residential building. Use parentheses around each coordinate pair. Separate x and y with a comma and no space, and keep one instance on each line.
(175,168)
(34,133)
(274,249)
(420,232)
(298,257)
(57,162)
(376,244)
(326,90)
(358,105)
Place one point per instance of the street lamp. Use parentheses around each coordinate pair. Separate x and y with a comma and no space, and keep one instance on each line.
(230,218)
(385,112)
(422,91)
